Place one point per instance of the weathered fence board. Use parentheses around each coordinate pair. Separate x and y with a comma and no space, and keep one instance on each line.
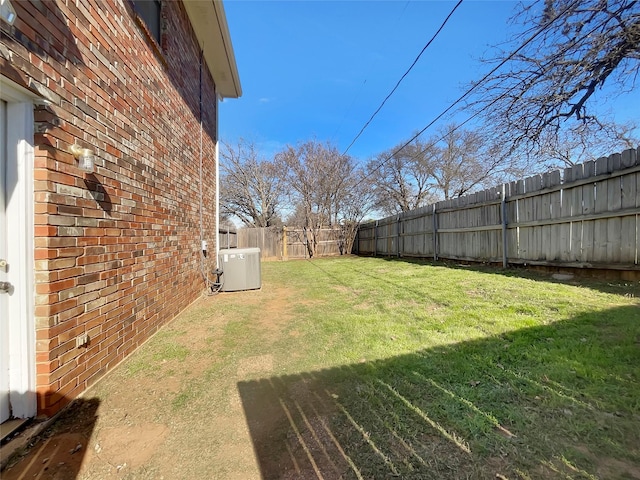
(227,236)
(586,215)
(629,198)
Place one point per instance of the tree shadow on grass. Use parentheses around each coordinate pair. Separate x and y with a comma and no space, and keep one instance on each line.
(556,401)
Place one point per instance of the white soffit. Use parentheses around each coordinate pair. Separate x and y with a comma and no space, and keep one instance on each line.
(210,25)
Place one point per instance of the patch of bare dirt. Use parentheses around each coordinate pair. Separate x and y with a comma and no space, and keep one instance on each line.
(614,468)
(607,467)
(130,446)
(363,306)
(276,310)
(261,365)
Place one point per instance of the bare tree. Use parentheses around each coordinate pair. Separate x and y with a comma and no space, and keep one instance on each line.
(462,161)
(449,164)
(403,180)
(358,202)
(321,182)
(584,141)
(251,188)
(568,50)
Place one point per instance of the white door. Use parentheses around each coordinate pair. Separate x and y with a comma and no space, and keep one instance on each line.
(5,411)
(17,322)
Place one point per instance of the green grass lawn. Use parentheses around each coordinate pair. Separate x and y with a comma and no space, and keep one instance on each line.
(433,372)
(370,368)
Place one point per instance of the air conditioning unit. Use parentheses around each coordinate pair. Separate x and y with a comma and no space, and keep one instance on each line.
(240,269)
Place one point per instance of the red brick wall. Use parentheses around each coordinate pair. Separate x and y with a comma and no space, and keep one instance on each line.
(117,252)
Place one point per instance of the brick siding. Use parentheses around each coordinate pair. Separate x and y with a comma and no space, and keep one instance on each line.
(117,252)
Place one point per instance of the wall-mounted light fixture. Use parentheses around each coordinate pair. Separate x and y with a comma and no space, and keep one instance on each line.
(85,156)
(7,13)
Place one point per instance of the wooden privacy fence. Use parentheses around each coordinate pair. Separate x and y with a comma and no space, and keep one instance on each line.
(228,236)
(283,243)
(584,216)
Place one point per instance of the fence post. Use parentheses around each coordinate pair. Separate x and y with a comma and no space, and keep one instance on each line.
(398,237)
(503,214)
(375,240)
(284,242)
(435,235)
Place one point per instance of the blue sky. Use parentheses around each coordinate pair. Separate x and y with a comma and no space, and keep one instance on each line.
(319,69)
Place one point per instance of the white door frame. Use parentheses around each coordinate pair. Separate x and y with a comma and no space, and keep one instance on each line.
(20,244)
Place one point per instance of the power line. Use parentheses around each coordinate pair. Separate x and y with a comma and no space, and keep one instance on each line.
(468,92)
(403,76)
(495,100)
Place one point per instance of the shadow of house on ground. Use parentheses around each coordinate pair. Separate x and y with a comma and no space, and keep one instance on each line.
(58,453)
(558,401)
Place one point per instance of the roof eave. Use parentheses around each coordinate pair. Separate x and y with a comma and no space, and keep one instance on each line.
(210,26)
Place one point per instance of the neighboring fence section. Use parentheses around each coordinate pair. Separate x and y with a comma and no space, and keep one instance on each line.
(228,236)
(283,243)
(583,216)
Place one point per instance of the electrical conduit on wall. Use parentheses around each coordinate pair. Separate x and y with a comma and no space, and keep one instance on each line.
(212,287)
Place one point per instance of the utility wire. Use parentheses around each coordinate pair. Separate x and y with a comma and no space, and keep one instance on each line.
(497,99)
(467,93)
(404,75)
